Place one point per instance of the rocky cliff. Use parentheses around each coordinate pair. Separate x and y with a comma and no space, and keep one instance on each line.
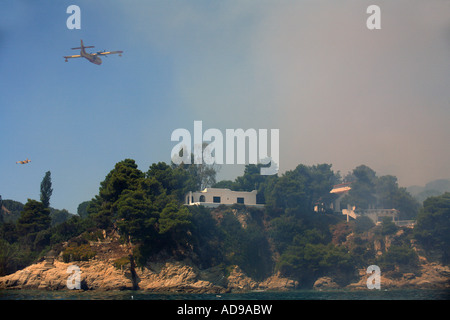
(169,276)
(431,276)
(181,276)
(111,269)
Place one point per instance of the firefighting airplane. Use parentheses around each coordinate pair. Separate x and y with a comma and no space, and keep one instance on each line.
(24,161)
(92,57)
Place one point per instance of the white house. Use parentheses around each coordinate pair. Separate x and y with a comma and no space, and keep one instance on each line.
(214,197)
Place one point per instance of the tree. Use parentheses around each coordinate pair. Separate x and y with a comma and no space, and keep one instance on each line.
(124,176)
(387,226)
(203,174)
(302,187)
(46,189)
(137,216)
(176,180)
(59,216)
(253,180)
(82,209)
(402,257)
(363,224)
(362,193)
(433,225)
(175,219)
(386,188)
(34,218)
(390,196)
(308,262)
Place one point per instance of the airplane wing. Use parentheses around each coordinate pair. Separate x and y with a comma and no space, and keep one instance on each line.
(74,56)
(109,52)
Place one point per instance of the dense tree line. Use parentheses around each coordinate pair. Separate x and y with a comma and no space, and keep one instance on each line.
(370,191)
(288,236)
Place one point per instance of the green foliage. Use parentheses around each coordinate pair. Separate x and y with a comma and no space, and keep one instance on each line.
(71,228)
(124,176)
(12,210)
(75,252)
(8,257)
(59,216)
(121,262)
(302,188)
(46,189)
(368,190)
(389,195)
(308,262)
(174,219)
(136,216)
(363,224)
(288,236)
(206,237)
(175,181)
(387,226)
(246,247)
(398,258)
(362,193)
(253,180)
(33,219)
(202,175)
(433,225)
(14,256)
(82,209)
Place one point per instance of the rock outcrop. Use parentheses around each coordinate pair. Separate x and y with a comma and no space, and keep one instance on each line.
(93,275)
(169,276)
(431,276)
(111,269)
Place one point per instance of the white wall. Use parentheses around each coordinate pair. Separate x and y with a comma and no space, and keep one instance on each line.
(227,196)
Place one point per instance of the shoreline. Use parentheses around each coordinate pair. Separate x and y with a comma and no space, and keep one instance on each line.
(176,277)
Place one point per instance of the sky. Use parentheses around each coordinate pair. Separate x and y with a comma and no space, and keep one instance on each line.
(338,92)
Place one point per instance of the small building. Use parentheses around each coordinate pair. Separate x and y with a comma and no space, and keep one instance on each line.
(214,197)
(374,214)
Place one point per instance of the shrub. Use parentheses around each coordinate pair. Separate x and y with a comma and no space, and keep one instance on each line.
(399,258)
(81,252)
(121,262)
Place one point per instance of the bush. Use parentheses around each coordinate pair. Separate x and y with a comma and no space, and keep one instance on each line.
(307,263)
(433,226)
(399,258)
(81,252)
(387,226)
(363,224)
(121,262)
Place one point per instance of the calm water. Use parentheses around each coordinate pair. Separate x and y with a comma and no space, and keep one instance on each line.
(291,295)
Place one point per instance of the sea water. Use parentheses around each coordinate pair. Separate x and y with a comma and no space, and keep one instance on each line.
(396,294)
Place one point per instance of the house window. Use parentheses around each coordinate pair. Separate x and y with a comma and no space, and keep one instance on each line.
(202,198)
(216,199)
(240,200)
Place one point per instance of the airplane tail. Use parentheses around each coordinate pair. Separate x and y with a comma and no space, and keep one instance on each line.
(82,46)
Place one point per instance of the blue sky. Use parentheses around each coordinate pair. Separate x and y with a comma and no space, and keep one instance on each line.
(339,93)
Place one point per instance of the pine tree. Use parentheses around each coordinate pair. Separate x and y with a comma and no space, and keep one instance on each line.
(33,219)
(46,189)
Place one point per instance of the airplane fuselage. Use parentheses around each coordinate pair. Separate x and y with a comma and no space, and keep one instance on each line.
(92,58)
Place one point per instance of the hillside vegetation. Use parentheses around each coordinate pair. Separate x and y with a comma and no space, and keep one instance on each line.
(287,237)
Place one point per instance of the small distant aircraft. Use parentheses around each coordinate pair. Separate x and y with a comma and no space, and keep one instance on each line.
(24,161)
(92,57)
